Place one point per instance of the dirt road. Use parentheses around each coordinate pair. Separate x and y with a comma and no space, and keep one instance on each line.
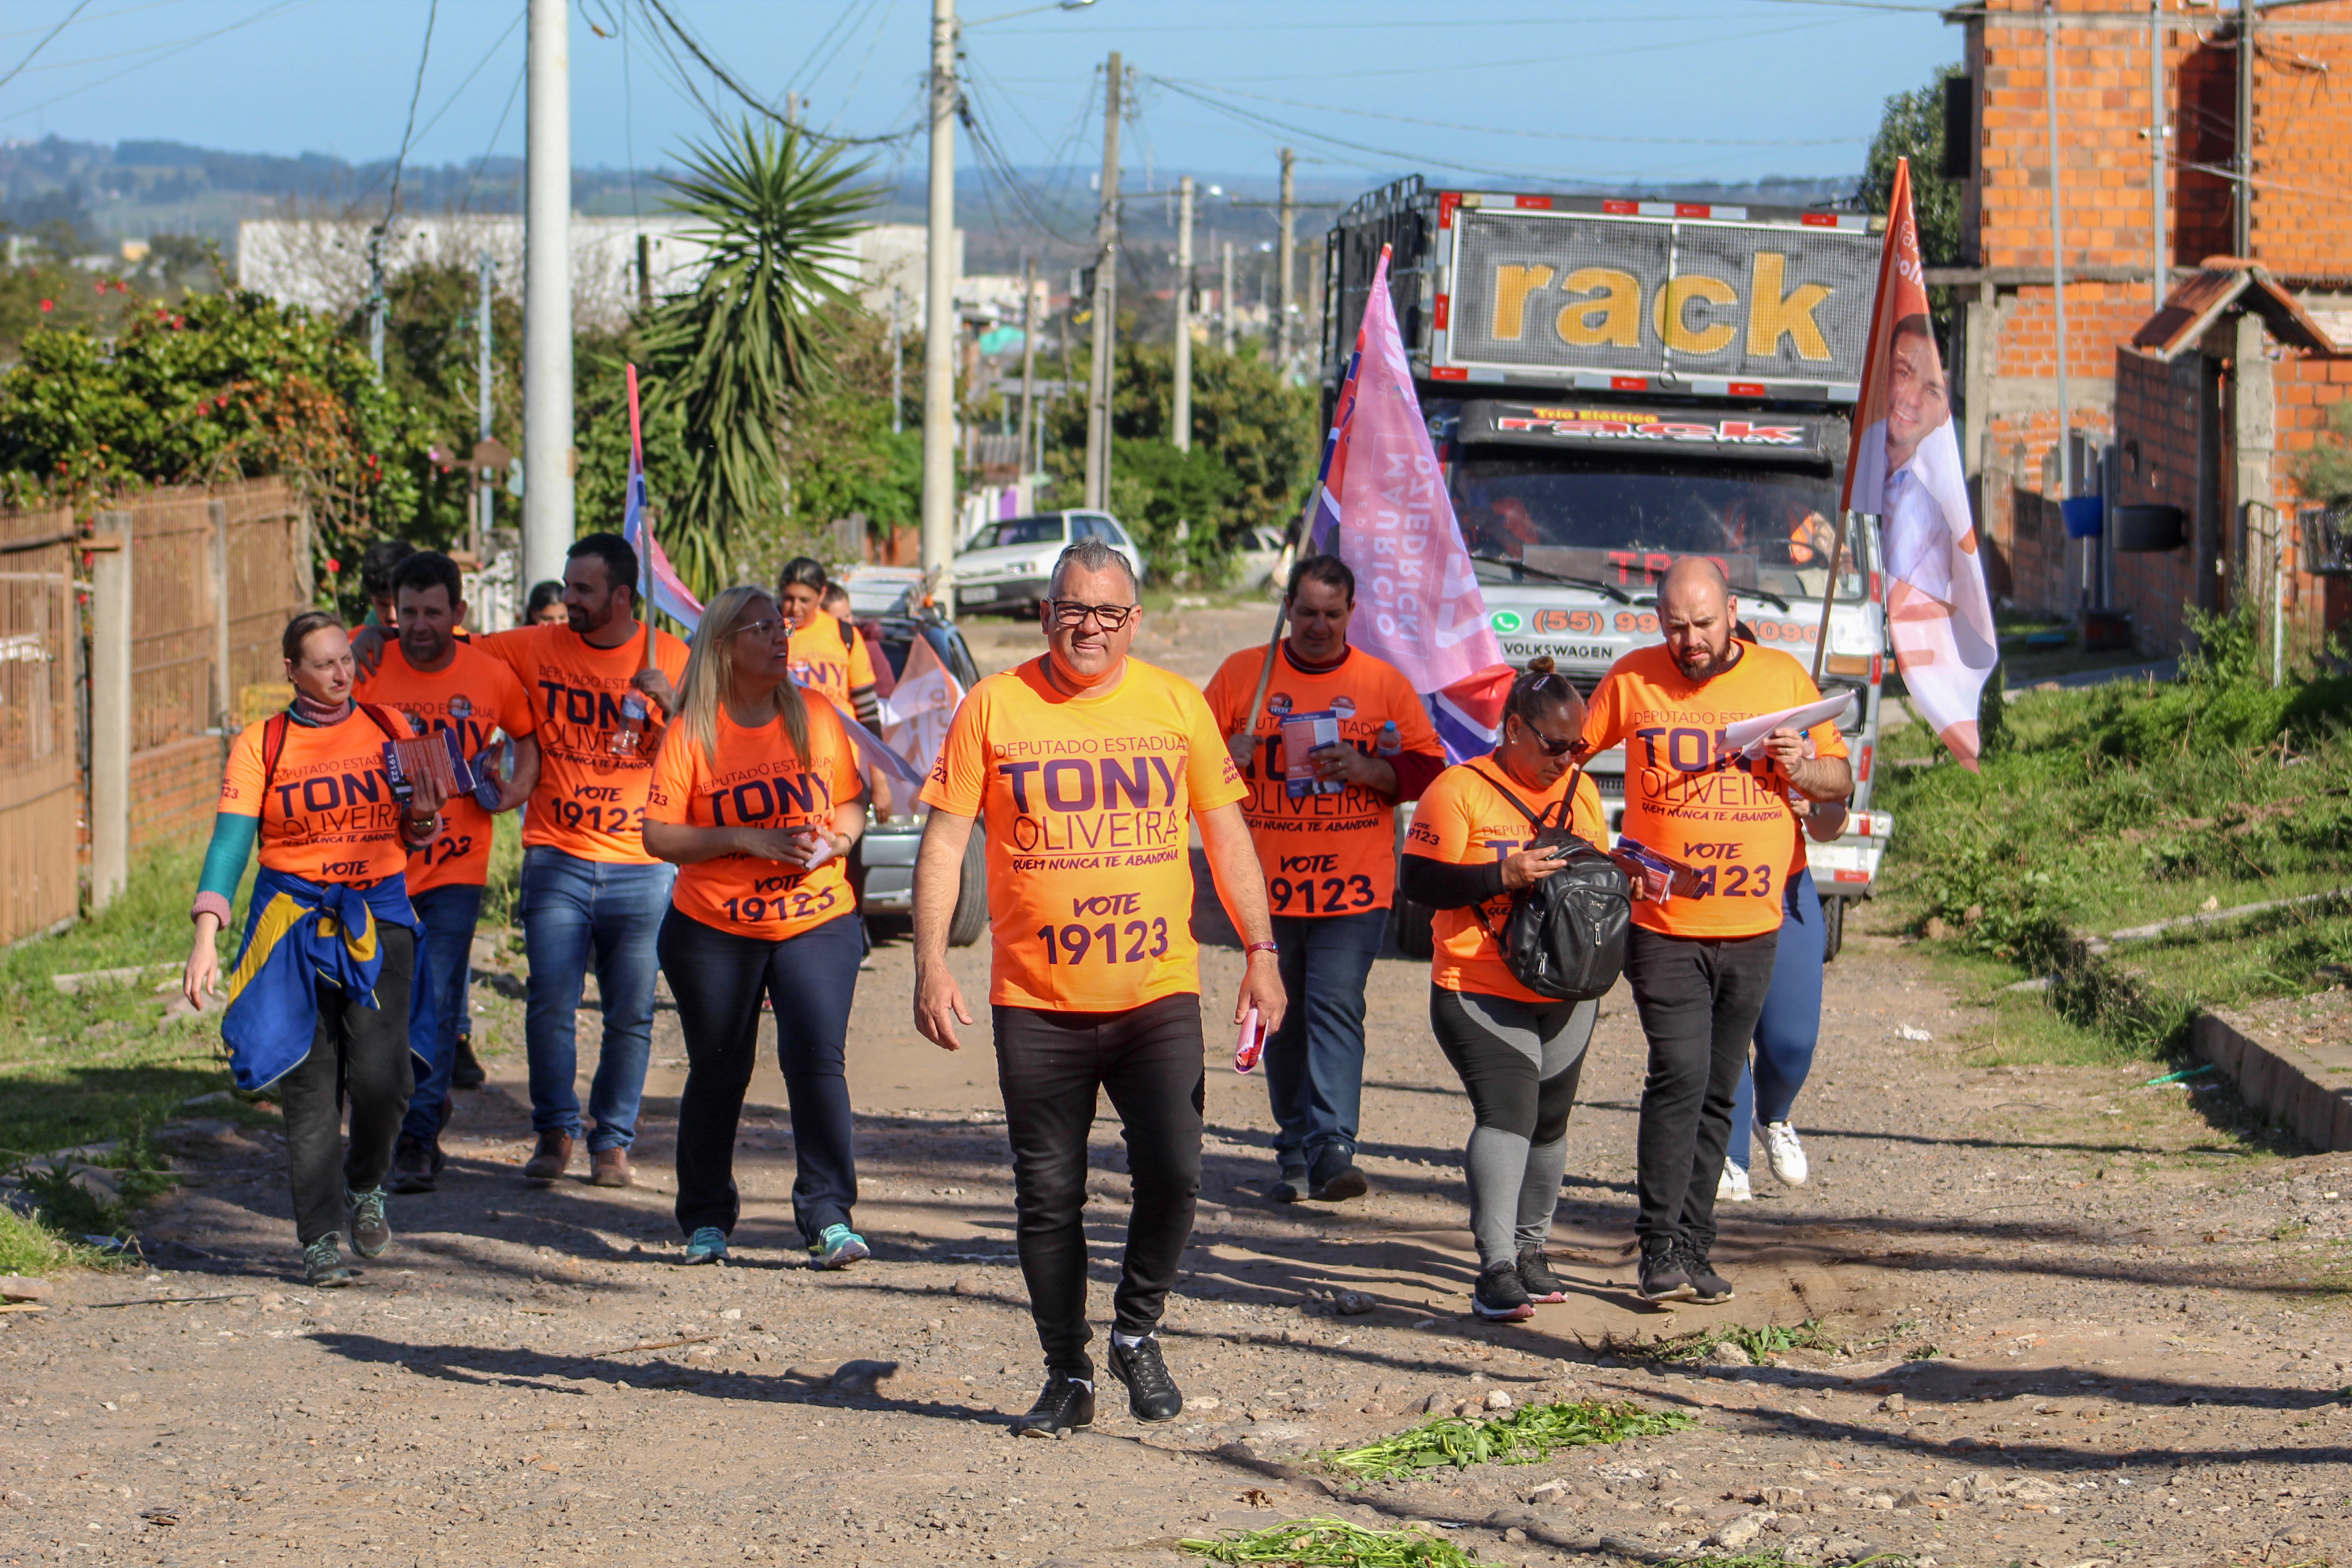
(2083,1323)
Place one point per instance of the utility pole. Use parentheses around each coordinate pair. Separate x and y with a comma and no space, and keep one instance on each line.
(939,318)
(1284,303)
(1106,334)
(2242,206)
(547,451)
(644,272)
(1028,355)
(485,490)
(2159,277)
(2057,246)
(898,369)
(375,300)
(1183,412)
(1226,299)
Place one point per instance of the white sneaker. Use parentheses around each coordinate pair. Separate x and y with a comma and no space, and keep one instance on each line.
(1785,1154)
(1732,1187)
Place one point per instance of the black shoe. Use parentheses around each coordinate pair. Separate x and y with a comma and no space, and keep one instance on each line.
(323,1264)
(1708,1287)
(1151,1393)
(1336,1179)
(370,1228)
(1663,1279)
(467,1073)
(1499,1297)
(1065,1405)
(415,1164)
(1536,1278)
(1288,1187)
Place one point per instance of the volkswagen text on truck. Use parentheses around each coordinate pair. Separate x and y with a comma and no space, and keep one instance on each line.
(1614,385)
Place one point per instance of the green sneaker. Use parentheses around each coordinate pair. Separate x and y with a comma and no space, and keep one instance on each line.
(838,1248)
(708,1245)
(323,1264)
(370,1228)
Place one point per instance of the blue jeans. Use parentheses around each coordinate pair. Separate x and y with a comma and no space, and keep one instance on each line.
(1315,1062)
(450,915)
(576,912)
(1792,1020)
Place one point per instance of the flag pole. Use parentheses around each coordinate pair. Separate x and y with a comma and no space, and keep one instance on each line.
(1829,591)
(646,541)
(1897,203)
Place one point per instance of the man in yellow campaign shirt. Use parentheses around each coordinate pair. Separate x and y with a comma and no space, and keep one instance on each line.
(591,893)
(1082,768)
(1700,961)
(1329,859)
(443,685)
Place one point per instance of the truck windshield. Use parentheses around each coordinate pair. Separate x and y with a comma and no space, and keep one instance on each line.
(1623,521)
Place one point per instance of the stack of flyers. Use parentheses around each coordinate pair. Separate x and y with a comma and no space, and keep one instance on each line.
(438,756)
(1302,735)
(1658,871)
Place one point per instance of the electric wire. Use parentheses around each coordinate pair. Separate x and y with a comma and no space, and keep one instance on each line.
(720,75)
(18,69)
(496,131)
(168,51)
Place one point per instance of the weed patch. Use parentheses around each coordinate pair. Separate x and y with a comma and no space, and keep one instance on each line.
(1334,1543)
(1527,1436)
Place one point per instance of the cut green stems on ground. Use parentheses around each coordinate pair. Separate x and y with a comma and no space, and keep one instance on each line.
(1334,1543)
(1772,1338)
(1527,1436)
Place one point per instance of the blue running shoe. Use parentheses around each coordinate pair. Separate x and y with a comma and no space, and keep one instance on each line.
(838,1248)
(708,1245)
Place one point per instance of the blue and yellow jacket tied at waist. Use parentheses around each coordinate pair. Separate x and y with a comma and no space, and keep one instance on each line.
(298,934)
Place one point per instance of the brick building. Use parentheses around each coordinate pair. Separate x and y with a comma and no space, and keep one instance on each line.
(2185,385)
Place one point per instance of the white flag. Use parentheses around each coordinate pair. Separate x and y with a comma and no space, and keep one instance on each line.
(914,720)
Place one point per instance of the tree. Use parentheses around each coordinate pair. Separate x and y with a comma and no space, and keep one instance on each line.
(757,331)
(1913,127)
(431,368)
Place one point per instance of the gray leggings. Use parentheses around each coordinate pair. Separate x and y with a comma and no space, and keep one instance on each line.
(1520,1062)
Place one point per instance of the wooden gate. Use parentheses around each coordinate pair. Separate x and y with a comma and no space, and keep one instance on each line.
(40,776)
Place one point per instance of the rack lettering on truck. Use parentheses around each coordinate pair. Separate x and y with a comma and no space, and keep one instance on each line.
(1599,425)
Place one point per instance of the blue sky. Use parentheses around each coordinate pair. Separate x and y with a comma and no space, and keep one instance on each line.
(1536,89)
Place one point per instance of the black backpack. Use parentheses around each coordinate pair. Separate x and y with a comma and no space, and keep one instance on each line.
(1565,936)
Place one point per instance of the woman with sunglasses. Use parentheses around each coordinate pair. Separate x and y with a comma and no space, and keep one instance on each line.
(756,797)
(1519,1055)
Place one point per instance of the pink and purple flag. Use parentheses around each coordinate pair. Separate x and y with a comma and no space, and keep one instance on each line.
(1381,505)
(658,583)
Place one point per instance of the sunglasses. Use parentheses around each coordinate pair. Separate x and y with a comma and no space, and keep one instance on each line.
(1071,614)
(1573,746)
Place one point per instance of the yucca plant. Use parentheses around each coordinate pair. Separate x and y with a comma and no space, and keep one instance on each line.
(756,332)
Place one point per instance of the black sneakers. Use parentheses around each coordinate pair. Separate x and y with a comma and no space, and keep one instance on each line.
(1063,1406)
(1536,1278)
(416,1166)
(467,1072)
(1708,1287)
(1151,1393)
(1499,1297)
(1663,1279)
(1288,1187)
(370,1229)
(1336,1179)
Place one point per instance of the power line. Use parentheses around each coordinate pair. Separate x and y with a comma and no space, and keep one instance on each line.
(37,49)
(721,74)
(179,46)
(495,132)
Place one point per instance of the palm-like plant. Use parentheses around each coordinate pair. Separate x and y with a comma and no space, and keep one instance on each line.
(756,332)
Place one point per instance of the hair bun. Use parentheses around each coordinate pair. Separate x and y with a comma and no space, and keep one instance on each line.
(1541,665)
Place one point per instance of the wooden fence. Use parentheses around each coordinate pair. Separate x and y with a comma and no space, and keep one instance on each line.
(40,778)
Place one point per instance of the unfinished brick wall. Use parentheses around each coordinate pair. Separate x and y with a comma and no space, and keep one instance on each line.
(2155,415)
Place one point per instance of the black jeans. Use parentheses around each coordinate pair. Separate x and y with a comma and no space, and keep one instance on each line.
(362,1052)
(718,978)
(1050,1067)
(1699,1000)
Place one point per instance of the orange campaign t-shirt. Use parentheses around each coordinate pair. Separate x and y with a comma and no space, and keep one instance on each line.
(475,696)
(1464,819)
(590,803)
(1084,806)
(820,662)
(1687,796)
(1322,854)
(757,780)
(328,813)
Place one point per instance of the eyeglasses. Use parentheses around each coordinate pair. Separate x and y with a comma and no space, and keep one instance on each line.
(762,628)
(1070,613)
(1573,746)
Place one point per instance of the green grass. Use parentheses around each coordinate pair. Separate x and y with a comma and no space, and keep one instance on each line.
(1522,1436)
(1334,1543)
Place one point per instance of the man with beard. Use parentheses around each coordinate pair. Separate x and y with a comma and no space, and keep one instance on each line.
(1700,961)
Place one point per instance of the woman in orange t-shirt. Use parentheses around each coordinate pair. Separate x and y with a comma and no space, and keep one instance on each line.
(1519,1055)
(756,796)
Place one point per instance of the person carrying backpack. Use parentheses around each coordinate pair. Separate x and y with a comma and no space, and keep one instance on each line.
(1486,837)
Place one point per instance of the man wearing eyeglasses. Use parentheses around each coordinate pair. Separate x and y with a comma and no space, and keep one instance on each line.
(1700,960)
(1083,767)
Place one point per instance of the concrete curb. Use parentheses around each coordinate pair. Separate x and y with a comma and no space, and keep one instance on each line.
(2285,1085)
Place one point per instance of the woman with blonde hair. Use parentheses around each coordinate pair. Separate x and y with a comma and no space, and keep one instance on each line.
(757,798)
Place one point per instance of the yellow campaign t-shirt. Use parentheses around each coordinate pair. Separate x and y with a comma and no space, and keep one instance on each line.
(328,813)
(475,696)
(757,780)
(1322,854)
(591,802)
(1083,804)
(1689,796)
(1464,819)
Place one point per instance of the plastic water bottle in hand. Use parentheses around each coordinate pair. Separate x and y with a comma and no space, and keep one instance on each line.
(1390,743)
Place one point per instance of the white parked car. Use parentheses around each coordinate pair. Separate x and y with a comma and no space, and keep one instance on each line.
(1258,559)
(1006,564)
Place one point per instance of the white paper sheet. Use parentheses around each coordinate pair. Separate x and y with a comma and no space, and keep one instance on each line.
(1748,736)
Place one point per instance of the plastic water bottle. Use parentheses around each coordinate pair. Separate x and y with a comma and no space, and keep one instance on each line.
(632,732)
(1390,743)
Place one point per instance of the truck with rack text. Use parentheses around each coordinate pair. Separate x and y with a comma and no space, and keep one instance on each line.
(1612,384)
